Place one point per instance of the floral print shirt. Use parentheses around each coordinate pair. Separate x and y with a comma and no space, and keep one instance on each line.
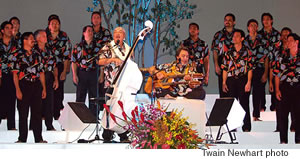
(278,53)
(28,66)
(47,57)
(61,46)
(5,52)
(82,52)
(221,41)
(270,42)
(237,63)
(102,37)
(257,48)
(110,70)
(198,51)
(287,68)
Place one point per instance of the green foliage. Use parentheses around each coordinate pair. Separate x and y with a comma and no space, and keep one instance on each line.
(165,14)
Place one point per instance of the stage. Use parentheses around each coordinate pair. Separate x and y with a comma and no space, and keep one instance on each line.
(261,136)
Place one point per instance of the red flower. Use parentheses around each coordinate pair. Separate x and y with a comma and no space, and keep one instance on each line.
(132,114)
(152,128)
(142,117)
(121,105)
(181,146)
(106,107)
(179,137)
(150,121)
(143,143)
(124,115)
(136,110)
(134,121)
(113,117)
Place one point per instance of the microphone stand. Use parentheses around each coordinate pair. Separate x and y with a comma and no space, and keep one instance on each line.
(96,102)
(98,99)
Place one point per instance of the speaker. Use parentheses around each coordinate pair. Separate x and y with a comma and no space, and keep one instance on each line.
(226,111)
(76,116)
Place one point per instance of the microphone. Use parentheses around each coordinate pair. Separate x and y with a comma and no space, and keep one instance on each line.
(119,47)
(179,61)
(117,43)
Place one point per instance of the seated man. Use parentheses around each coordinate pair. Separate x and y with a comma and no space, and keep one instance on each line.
(178,78)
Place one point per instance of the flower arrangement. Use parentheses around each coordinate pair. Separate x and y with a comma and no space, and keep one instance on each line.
(151,127)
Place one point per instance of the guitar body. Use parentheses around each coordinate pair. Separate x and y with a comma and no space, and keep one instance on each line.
(158,83)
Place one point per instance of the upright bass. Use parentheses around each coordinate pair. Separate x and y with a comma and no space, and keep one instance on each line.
(124,88)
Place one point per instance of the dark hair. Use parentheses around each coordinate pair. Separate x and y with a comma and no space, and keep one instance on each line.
(195,24)
(266,14)
(180,49)
(14,18)
(84,29)
(286,28)
(25,36)
(251,21)
(4,24)
(231,15)
(37,32)
(52,17)
(296,37)
(240,31)
(96,12)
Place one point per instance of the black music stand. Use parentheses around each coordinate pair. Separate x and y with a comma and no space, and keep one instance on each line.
(218,117)
(86,116)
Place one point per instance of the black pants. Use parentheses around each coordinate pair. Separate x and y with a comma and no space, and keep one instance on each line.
(108,135)
(48,102)
(87,84)
(236,89)
(274,101)
(101,93)
(290,101)
(8,100)
(32,98)
(220,78)
(58,93)
(258,94)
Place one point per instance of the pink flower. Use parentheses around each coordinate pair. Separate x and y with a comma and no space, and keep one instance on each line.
(165,146)
(143,143)
(155,146)
(133,143)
